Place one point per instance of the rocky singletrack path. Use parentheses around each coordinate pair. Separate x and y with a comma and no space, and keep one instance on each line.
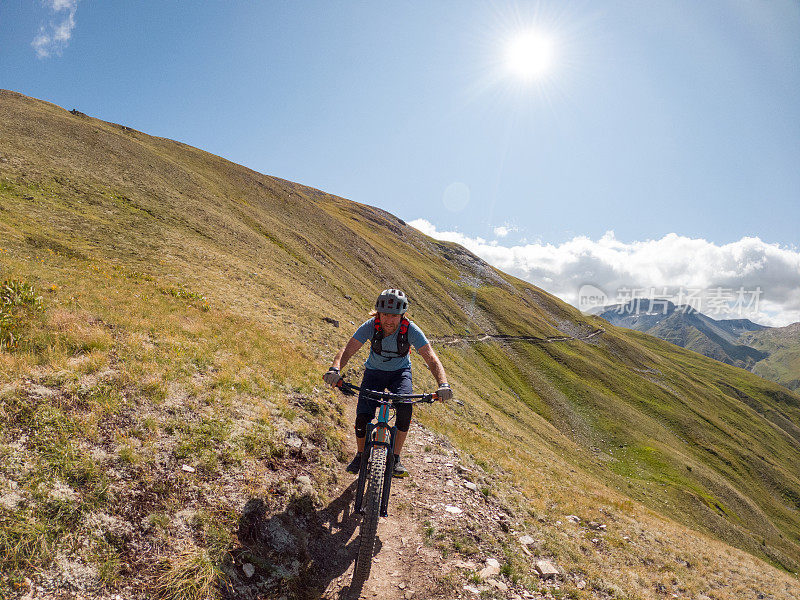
(403,565)
(442,494)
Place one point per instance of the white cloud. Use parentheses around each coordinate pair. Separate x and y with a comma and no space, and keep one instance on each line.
(503,230)
(53,38)
(672,262)
(58,5)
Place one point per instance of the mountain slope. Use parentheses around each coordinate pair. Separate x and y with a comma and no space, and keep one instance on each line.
(184,299)
(771,352)
(688,328)
(782,345)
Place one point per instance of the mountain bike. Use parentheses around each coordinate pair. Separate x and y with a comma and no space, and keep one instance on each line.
(377,466)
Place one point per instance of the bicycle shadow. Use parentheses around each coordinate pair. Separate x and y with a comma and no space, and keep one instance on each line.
(302,550)
(334,548)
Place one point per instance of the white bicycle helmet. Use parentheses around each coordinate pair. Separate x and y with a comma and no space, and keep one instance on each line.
(392,302)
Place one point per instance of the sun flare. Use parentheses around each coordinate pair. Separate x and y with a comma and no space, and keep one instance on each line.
(529,55)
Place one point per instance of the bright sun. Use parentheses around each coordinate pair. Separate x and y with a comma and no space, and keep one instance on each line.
(529,55)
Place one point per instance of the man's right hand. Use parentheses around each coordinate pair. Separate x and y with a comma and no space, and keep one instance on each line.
(332,377)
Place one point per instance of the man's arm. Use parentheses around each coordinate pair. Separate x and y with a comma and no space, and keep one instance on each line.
(344,355)
(433,362)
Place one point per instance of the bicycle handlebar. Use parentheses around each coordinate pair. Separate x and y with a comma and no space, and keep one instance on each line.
(349,388)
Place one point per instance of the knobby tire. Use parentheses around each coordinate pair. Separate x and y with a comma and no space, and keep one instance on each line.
(369,522)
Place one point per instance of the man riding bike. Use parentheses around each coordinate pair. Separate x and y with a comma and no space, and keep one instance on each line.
(388,366)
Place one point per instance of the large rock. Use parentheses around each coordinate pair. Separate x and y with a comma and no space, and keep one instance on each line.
(304,485)
(283,533)
(546,569)
(491,569)
(496,583)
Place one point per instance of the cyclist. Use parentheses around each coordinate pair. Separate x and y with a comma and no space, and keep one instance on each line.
(388,367)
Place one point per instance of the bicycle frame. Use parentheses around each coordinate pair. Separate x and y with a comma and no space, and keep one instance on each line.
(381,434)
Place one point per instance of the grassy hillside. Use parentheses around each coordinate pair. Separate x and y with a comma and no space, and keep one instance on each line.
(771,352)
(167,308)
(782,345)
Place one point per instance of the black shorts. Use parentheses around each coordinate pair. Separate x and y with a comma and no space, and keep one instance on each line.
(397,382)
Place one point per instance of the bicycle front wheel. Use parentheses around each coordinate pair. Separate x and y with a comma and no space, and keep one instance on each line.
(372,508)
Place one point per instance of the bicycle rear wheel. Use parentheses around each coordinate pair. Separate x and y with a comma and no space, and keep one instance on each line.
(372,508)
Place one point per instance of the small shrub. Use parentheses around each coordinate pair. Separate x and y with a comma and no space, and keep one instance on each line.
(201,440)
(429,530)
(507,571)
(465,547)
(192,575)
(195,299)
(258,440)
(127,455)
(159,521)
(213,530)
(18,304)
(109,566)
(25,544)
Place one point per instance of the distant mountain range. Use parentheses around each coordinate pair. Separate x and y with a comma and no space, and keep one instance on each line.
(771,352)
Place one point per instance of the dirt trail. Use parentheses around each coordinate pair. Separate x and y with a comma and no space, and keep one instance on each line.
(436,497)
(403,564)
(449,340)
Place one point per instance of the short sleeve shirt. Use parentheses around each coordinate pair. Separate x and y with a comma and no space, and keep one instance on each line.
(390,361)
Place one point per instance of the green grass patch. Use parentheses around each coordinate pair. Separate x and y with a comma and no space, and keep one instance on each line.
(19,304)
(195,299)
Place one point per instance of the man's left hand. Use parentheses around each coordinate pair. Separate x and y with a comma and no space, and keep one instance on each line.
(332,377)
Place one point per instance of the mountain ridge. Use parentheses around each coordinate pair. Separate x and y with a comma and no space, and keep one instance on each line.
(773,353)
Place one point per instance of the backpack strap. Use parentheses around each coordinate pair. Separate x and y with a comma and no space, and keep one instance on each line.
(403,345)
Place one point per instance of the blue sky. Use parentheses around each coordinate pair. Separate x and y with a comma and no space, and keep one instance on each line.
(654,118)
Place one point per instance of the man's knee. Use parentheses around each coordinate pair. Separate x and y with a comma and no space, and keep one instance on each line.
(361,425)
(403,421)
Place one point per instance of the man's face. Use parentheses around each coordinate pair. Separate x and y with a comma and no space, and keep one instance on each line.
(390,322)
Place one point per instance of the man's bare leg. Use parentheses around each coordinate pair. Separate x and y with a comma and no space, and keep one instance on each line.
(399,439)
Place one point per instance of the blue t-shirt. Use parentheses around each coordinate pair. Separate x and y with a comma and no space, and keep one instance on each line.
(389,361)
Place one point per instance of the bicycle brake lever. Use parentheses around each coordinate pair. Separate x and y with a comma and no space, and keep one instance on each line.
(344,387)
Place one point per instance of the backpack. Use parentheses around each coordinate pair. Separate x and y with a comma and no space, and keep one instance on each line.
(403,345)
